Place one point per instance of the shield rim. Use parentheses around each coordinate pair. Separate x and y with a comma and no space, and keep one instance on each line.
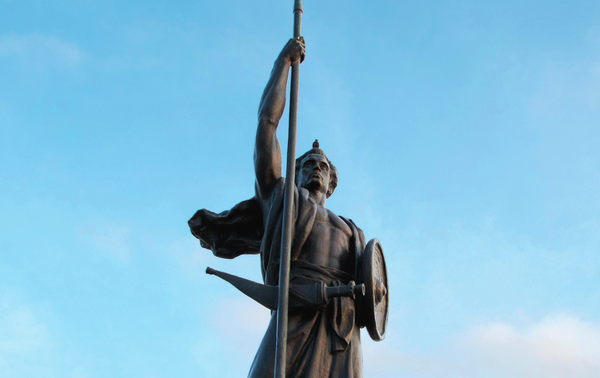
(368,280)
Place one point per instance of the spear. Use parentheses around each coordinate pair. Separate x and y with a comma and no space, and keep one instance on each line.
(288,202)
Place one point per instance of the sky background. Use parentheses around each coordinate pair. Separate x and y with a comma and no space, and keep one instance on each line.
(465,134)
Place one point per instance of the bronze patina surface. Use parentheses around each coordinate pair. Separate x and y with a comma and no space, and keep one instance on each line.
(328,254)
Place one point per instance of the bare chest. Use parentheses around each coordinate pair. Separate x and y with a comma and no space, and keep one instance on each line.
(328,243)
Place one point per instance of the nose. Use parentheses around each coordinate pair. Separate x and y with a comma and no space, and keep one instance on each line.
(317,168)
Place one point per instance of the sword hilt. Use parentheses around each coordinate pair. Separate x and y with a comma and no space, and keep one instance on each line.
(351,290)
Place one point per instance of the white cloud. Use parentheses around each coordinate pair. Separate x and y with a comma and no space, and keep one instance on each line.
(559,346)
(41,51)
(189,260)
(25,345)
(108,239)
(566,88)
(79,373)
(243,322)
(20,331)
(235,330)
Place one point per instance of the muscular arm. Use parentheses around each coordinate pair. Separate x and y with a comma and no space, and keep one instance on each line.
(267,152)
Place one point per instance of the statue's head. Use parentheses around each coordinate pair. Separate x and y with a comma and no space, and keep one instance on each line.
(314,171)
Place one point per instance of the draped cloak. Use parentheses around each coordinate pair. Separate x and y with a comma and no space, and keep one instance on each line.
(321,342)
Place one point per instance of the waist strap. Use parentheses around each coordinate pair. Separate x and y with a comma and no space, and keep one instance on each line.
(302,272)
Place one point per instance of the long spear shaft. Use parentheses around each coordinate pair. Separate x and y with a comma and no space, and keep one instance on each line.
(288,202)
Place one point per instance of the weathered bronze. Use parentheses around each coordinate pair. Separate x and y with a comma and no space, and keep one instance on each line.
(313,296)
(376,302)
(328,253)
(288,205)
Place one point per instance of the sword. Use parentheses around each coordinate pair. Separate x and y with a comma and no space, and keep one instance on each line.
(314,296)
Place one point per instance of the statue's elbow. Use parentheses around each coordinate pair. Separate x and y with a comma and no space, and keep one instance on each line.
(267,120)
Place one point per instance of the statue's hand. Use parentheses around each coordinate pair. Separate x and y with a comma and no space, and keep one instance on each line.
(294,50)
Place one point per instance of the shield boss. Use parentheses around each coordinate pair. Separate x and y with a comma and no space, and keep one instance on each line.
(375,304)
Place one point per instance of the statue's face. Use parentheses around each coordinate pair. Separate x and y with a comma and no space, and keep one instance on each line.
(314,173)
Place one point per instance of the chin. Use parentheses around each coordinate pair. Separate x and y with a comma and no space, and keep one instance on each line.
(312,186)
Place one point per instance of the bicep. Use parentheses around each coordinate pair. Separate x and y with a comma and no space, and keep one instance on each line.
(267,156)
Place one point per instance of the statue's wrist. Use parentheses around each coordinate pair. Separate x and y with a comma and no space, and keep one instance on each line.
(284,60)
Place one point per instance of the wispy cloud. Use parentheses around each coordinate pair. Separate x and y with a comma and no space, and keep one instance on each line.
(242,316)
(25,344)
(559,346)
(566,87)
(108,239)
(235,329)
(31,340)
(41,51)
(186,258)
(20,330)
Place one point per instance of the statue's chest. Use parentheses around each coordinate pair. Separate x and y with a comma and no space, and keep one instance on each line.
(328,242)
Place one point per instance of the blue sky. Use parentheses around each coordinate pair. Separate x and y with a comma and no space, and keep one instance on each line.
(465,134)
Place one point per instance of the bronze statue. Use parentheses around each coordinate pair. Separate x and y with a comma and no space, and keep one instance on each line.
(329,253)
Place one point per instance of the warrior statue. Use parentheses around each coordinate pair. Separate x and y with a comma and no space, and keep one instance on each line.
(327,254)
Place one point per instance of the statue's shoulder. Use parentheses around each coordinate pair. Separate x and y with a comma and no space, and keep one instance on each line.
(350,223)
(357,233)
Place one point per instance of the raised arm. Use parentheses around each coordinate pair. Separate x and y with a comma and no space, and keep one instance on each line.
(267,152)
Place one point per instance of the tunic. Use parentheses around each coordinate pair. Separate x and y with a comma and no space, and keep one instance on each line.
(321,342)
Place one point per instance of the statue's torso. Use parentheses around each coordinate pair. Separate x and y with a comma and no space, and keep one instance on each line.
(328,243)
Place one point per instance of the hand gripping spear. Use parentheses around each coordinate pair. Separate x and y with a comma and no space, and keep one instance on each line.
(286,239)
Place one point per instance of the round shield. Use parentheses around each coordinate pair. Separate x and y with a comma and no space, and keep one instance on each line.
(376,301)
